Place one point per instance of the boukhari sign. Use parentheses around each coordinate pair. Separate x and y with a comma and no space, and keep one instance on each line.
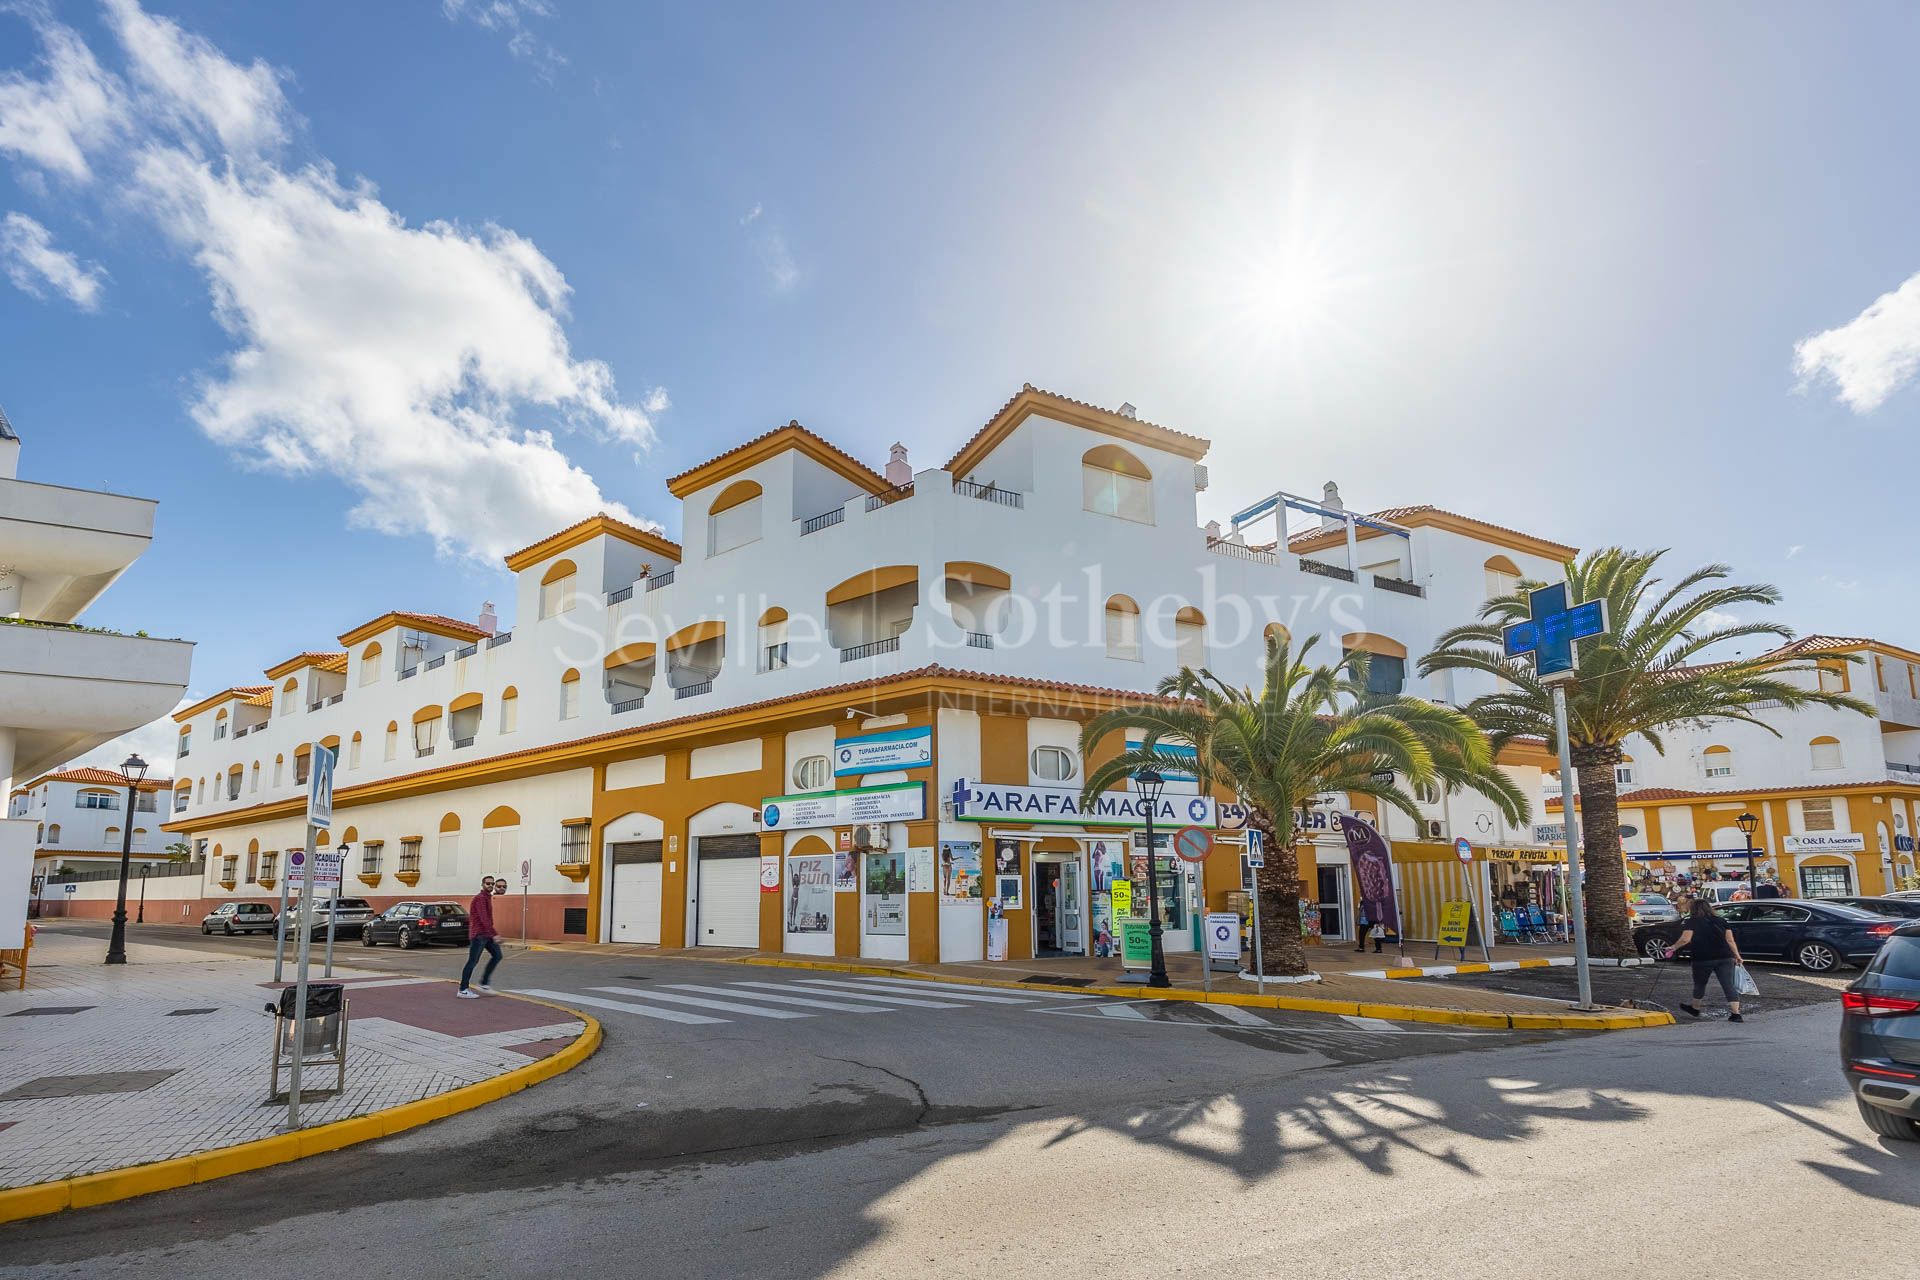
(1060,806)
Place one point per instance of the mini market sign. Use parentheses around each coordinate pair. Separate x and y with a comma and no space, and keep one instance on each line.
(1061,807)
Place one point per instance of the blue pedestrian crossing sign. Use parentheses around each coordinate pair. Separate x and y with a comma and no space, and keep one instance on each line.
(320,789)
(1550,630)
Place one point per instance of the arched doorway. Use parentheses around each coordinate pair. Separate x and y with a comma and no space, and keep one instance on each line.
(631,846)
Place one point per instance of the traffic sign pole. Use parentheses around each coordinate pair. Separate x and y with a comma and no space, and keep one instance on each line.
(1576,895)
(1256,860)
(319,820)
(280,926)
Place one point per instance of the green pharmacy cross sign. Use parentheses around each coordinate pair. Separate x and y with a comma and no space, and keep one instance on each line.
(1550,630)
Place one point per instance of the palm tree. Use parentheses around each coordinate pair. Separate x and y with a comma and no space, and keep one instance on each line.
(1308,731)
(1638,678)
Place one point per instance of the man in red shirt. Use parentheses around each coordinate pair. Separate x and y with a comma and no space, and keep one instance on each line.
(481,936)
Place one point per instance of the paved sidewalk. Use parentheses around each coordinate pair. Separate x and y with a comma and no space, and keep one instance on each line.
(103,1068)
(1337,992)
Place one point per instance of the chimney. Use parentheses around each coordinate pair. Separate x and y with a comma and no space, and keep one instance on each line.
(1126,410)
(9,449)
(1213,531)
(488,621)
(1330,499)
(899,470)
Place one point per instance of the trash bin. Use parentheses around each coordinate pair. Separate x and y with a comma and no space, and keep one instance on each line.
(323,1040)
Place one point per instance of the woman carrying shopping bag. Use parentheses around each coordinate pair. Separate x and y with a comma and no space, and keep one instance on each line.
(1715,955)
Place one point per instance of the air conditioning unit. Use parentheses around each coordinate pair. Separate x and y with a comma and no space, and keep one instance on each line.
(1436,829)
(871,835)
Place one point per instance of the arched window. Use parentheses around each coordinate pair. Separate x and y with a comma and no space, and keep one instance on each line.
(279,769)
(393,739)
(1054,764)
(734,518)
(1115,483)
(302,763)
(1190,638)
(556,588)
(370,663)
(812,773)
(1123,628)
(500,842)
(426,730)
(233,782)
(773,639)
(509,709)
(1503,577)
(112,838)
(1386,661)
(1717,761)
(447,861)
(220,725)
(1826,753)
(570,694)
(1833,677)
(289,694)
(53,834)
(353,751)
(463,719)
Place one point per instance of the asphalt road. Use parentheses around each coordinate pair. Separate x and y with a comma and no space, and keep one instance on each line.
(1052,1137)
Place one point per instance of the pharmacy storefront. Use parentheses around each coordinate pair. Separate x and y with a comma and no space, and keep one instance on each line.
(844,867)
(1059,878)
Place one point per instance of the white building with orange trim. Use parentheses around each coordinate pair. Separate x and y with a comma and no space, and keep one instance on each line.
(1837,793)
(755,736)
(80,819)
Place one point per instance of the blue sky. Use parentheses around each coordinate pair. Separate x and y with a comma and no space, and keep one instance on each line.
(1544,265)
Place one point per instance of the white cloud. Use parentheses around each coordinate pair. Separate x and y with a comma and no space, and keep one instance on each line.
(1714,620)
(198,86)
(509,17)
(1871,356)
(770,246)
(35,266)
(396,358)
(1796,549)
(74,107)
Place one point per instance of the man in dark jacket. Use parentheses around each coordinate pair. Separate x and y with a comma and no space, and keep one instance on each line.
(481,936)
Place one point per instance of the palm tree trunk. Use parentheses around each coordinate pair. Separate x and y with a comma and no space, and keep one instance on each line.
(1609,934)
(1282,953)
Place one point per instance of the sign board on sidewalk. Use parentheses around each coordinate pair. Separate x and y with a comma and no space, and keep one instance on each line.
(326,868)
(1193,844)
(1223,936)
(320,789)
(1454,920)
(1136,945)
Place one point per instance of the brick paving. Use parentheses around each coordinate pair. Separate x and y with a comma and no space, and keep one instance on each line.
(188,1033)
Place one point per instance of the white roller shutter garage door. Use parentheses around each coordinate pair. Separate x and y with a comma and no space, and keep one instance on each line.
(636,891)
(726,907)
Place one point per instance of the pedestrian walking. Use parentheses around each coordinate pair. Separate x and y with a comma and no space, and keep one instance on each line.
(481,936)
(1715,953)
(1362,928)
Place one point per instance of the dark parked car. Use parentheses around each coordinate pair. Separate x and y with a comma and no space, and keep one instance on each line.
(1817,934)
(416,924)
(239,917)
(1898,908)
(1880,1038)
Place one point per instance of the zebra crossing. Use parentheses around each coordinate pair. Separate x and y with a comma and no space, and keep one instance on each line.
(715,1002)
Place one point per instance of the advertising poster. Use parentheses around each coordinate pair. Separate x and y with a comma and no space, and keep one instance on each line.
(1007,889)
(1373,868)
(886,895)
(769,873)
(810,894)
(920,871)
(960,871)
(1105,941)
(1006,857)
(845,873)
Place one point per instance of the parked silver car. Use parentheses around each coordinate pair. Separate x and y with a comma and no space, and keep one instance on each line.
(239,917)
(1650,908)
(351,915)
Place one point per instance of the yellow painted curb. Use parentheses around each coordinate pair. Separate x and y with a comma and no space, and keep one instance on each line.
(1296,1004)
(42,1198)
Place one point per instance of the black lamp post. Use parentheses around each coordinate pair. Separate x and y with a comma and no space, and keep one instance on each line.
(1748,824)
(145,869)
(1147,784)
(134,770)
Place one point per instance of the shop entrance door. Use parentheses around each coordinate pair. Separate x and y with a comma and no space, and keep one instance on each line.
(1332,887)
(1058,923)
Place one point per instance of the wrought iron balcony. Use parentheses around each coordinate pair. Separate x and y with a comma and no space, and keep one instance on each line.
(979,640)
(890,645)
(821,521)
(988,493)
(629,704)
(887,497)
(659,580)
(1400,585)
(693,690)
(1326,570)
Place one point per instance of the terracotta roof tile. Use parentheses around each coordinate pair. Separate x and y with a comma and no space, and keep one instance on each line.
(1401,515)
(581,524)
(879,480)
(1028,389)
(93,775)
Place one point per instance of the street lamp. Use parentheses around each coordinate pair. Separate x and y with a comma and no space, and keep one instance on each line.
(134,770)
(1148,784)
(1748,824)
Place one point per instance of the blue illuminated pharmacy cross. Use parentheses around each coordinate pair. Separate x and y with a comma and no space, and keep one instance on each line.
(1551,630)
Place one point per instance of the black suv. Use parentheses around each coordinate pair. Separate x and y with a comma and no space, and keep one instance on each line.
(415,924)
(1880,1038)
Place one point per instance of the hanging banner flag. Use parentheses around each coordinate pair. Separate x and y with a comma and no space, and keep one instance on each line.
(1373,867)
